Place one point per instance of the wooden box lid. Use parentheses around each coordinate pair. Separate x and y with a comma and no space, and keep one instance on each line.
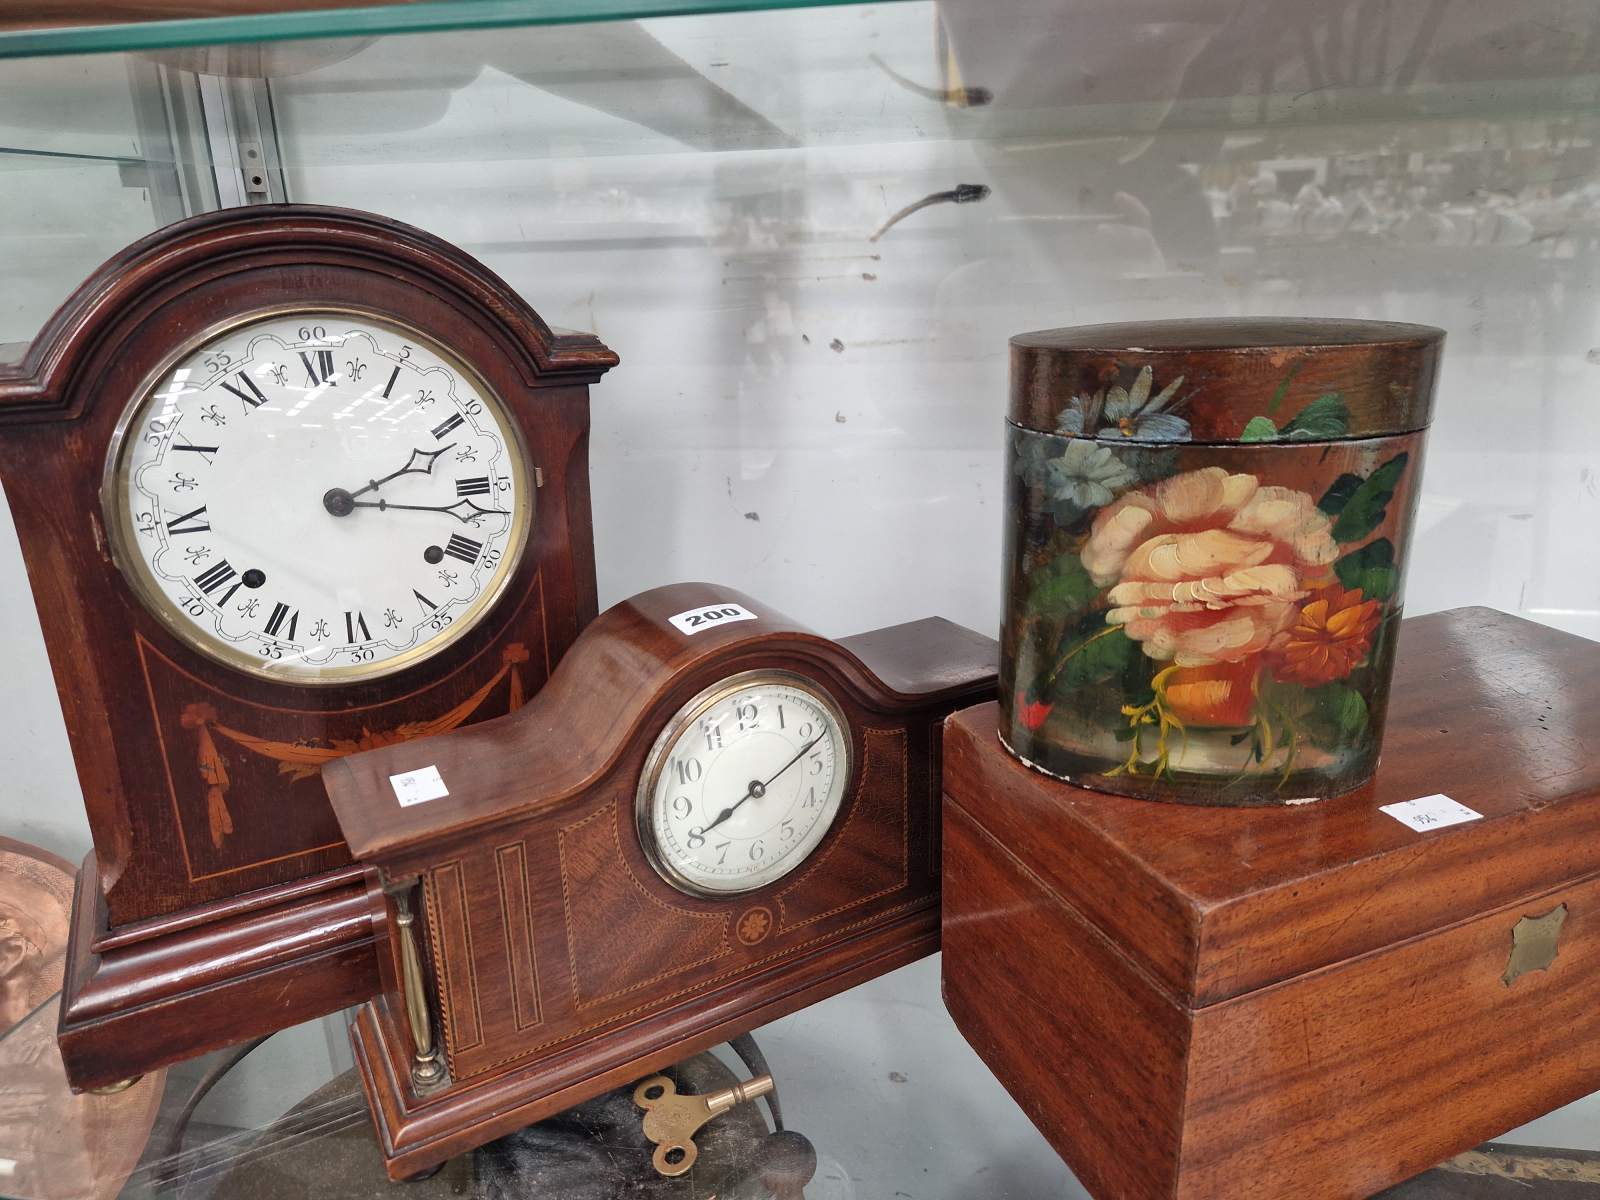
(1498,713)
(1236,368)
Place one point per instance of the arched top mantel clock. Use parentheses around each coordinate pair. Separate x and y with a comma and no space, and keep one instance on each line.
(290,482)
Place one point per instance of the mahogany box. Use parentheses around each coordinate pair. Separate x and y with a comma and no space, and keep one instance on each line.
(1308,1002)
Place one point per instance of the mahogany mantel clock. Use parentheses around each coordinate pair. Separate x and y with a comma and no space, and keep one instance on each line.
(290,482)
(709,818)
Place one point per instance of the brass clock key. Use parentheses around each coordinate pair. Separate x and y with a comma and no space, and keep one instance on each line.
(670,1120)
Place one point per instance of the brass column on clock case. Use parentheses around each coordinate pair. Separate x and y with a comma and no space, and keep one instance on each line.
(290,482)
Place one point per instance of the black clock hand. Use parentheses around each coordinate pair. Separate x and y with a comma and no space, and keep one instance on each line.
(341,503)
(470,514)
(758,788)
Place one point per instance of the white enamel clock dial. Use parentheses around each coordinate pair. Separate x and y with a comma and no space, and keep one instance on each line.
(743,783)
(318,497)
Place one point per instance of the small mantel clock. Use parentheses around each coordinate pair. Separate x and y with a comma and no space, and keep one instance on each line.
(710,817)
(290,482)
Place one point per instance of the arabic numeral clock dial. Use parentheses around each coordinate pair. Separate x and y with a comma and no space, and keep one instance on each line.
(743,783)
(318,498)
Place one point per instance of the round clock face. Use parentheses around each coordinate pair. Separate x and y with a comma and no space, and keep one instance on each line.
(743,783)
(318,497)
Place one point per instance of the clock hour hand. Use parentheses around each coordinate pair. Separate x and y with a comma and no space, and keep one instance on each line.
(341,503)
(758,789)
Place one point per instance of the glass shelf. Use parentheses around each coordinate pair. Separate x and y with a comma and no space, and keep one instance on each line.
(367,21)
(713,194)
(895,1103)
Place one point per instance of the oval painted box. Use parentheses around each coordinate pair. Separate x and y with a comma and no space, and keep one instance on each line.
(1206,537)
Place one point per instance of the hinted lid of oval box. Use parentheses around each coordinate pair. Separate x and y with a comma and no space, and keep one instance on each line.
(1234,379)
(1499,714)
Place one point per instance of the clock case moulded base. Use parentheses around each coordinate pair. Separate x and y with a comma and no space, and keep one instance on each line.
(560,964)
(1313,1001)
(190,932)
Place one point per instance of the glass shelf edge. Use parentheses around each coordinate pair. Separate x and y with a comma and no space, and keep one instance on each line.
(371,21)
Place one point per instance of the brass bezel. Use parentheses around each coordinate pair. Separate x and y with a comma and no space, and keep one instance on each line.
(120,533)
(685,717)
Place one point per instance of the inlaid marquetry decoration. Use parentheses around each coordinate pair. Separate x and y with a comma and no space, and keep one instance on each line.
(289,481)
(304,760)
(709,817)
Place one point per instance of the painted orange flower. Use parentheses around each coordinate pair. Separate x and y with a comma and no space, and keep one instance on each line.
(1332,634)
(1208,567)
(1222,694)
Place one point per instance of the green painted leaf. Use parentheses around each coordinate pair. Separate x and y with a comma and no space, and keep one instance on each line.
(1343,707)
(1260,429)
(1060,588)
(1363,512)
(1371,569)
(1339,493)
(1324,418)
(1099,658)
(1283,388)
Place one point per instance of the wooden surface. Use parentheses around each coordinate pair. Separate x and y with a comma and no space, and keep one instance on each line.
(1193,1002)
(1384,371)
(126,684)
(561,961)
(1073,1030)
(1501,714)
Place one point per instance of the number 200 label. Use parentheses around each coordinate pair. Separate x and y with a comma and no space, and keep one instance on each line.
(697,620)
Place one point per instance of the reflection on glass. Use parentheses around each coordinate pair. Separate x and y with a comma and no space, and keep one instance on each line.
(55,1145)
(704,191)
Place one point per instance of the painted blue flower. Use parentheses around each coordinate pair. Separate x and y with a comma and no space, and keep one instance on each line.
(1087,475)
(1083,476)
(1131,413)
(1033,456)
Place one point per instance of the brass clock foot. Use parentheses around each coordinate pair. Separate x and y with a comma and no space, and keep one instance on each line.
(111,1089)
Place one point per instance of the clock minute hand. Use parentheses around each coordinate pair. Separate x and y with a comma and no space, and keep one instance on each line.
(464,510)
(758,788)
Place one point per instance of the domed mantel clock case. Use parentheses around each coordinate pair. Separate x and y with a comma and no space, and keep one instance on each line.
(709,818)
(290,482)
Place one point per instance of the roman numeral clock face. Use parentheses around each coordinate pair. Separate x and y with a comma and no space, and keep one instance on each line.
(318,498)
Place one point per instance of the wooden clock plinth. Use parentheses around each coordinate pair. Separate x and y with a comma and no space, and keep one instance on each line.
(216,975)
(1315,1001)
(551,960)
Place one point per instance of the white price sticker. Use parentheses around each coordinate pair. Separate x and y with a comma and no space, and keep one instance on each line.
(1431,812)
(698,620)
(416,786)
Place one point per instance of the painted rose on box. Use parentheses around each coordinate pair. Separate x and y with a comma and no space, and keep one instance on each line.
(1203,617)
